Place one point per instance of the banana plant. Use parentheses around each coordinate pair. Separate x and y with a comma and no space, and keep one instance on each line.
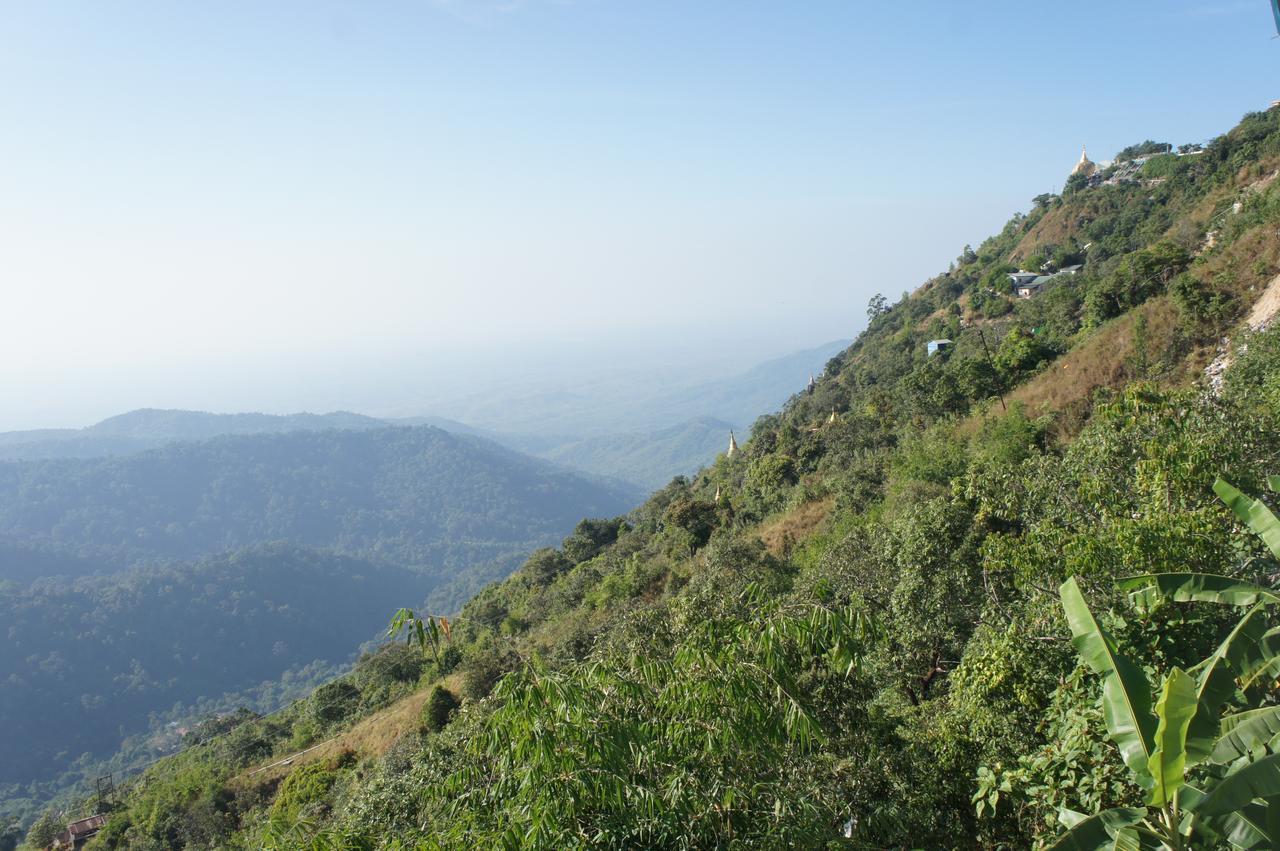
(1205,777)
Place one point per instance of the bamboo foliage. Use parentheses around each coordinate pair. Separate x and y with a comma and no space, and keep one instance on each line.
(691,748)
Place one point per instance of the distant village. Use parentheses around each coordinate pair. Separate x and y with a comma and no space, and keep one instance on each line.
(1027,284)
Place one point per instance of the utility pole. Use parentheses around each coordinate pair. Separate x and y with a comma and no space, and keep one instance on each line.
(991,363)
(106,792)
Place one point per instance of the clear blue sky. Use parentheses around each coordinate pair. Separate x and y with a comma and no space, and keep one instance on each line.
(251,190)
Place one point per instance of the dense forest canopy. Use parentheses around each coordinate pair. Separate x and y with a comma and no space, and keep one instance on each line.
(82,661)
(857,630)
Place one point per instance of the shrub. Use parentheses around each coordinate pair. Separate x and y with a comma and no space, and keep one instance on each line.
(334,702)
(305,789)
(438,711)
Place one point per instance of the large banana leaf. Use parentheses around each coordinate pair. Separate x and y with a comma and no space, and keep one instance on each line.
(1252,513)
(1246,733)
(1216,681)
(1175,708)
(1148,588)
(1232,793)
(1246,828)
(1126,694)
(1262,663)
(1096,832)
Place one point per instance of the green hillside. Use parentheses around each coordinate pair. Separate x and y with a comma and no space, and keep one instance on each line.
(860,643)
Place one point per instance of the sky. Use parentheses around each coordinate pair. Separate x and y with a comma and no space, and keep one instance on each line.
(283,205)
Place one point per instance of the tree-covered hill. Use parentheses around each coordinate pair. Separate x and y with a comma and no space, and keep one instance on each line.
(849,632)
(417,496)
(149,428)
(87,662)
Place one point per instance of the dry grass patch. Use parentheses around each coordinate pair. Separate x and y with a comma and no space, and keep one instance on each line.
(796,525)
(370,737)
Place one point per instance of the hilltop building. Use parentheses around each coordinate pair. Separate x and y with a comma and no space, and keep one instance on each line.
(733,446)
(1086,166)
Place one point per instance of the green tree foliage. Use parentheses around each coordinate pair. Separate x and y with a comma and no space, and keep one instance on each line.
(697,748)
(1162,742)
(1143,149)
(334,702)
(692,520)
(1135,279)
(42,832)
(439,709)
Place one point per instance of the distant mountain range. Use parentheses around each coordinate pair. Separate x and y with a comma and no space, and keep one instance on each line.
(631,404)
(417,495)
(149,428)
(639,433)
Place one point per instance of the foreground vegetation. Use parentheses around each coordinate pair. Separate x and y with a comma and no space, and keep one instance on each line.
(862,642)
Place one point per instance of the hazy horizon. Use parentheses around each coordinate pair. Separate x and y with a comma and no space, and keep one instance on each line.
(320,206)
(405,384)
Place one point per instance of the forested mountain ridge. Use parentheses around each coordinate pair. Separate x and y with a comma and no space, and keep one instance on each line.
(149,428)
(847,633)
(637,433)
(420,496)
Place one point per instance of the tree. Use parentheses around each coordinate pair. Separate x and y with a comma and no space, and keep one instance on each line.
(695,517)
(590,537)
(543,567)
(698,747)
(1020,354)
(41,834)
(333,702)
(878,306)
(1075,183)
(439,708)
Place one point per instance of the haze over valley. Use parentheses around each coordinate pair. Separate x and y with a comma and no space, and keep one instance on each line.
(576,424)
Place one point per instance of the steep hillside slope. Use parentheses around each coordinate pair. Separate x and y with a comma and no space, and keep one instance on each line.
(846,633)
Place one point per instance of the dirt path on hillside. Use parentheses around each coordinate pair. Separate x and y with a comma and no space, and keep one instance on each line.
(1264,310)
(1261,316)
